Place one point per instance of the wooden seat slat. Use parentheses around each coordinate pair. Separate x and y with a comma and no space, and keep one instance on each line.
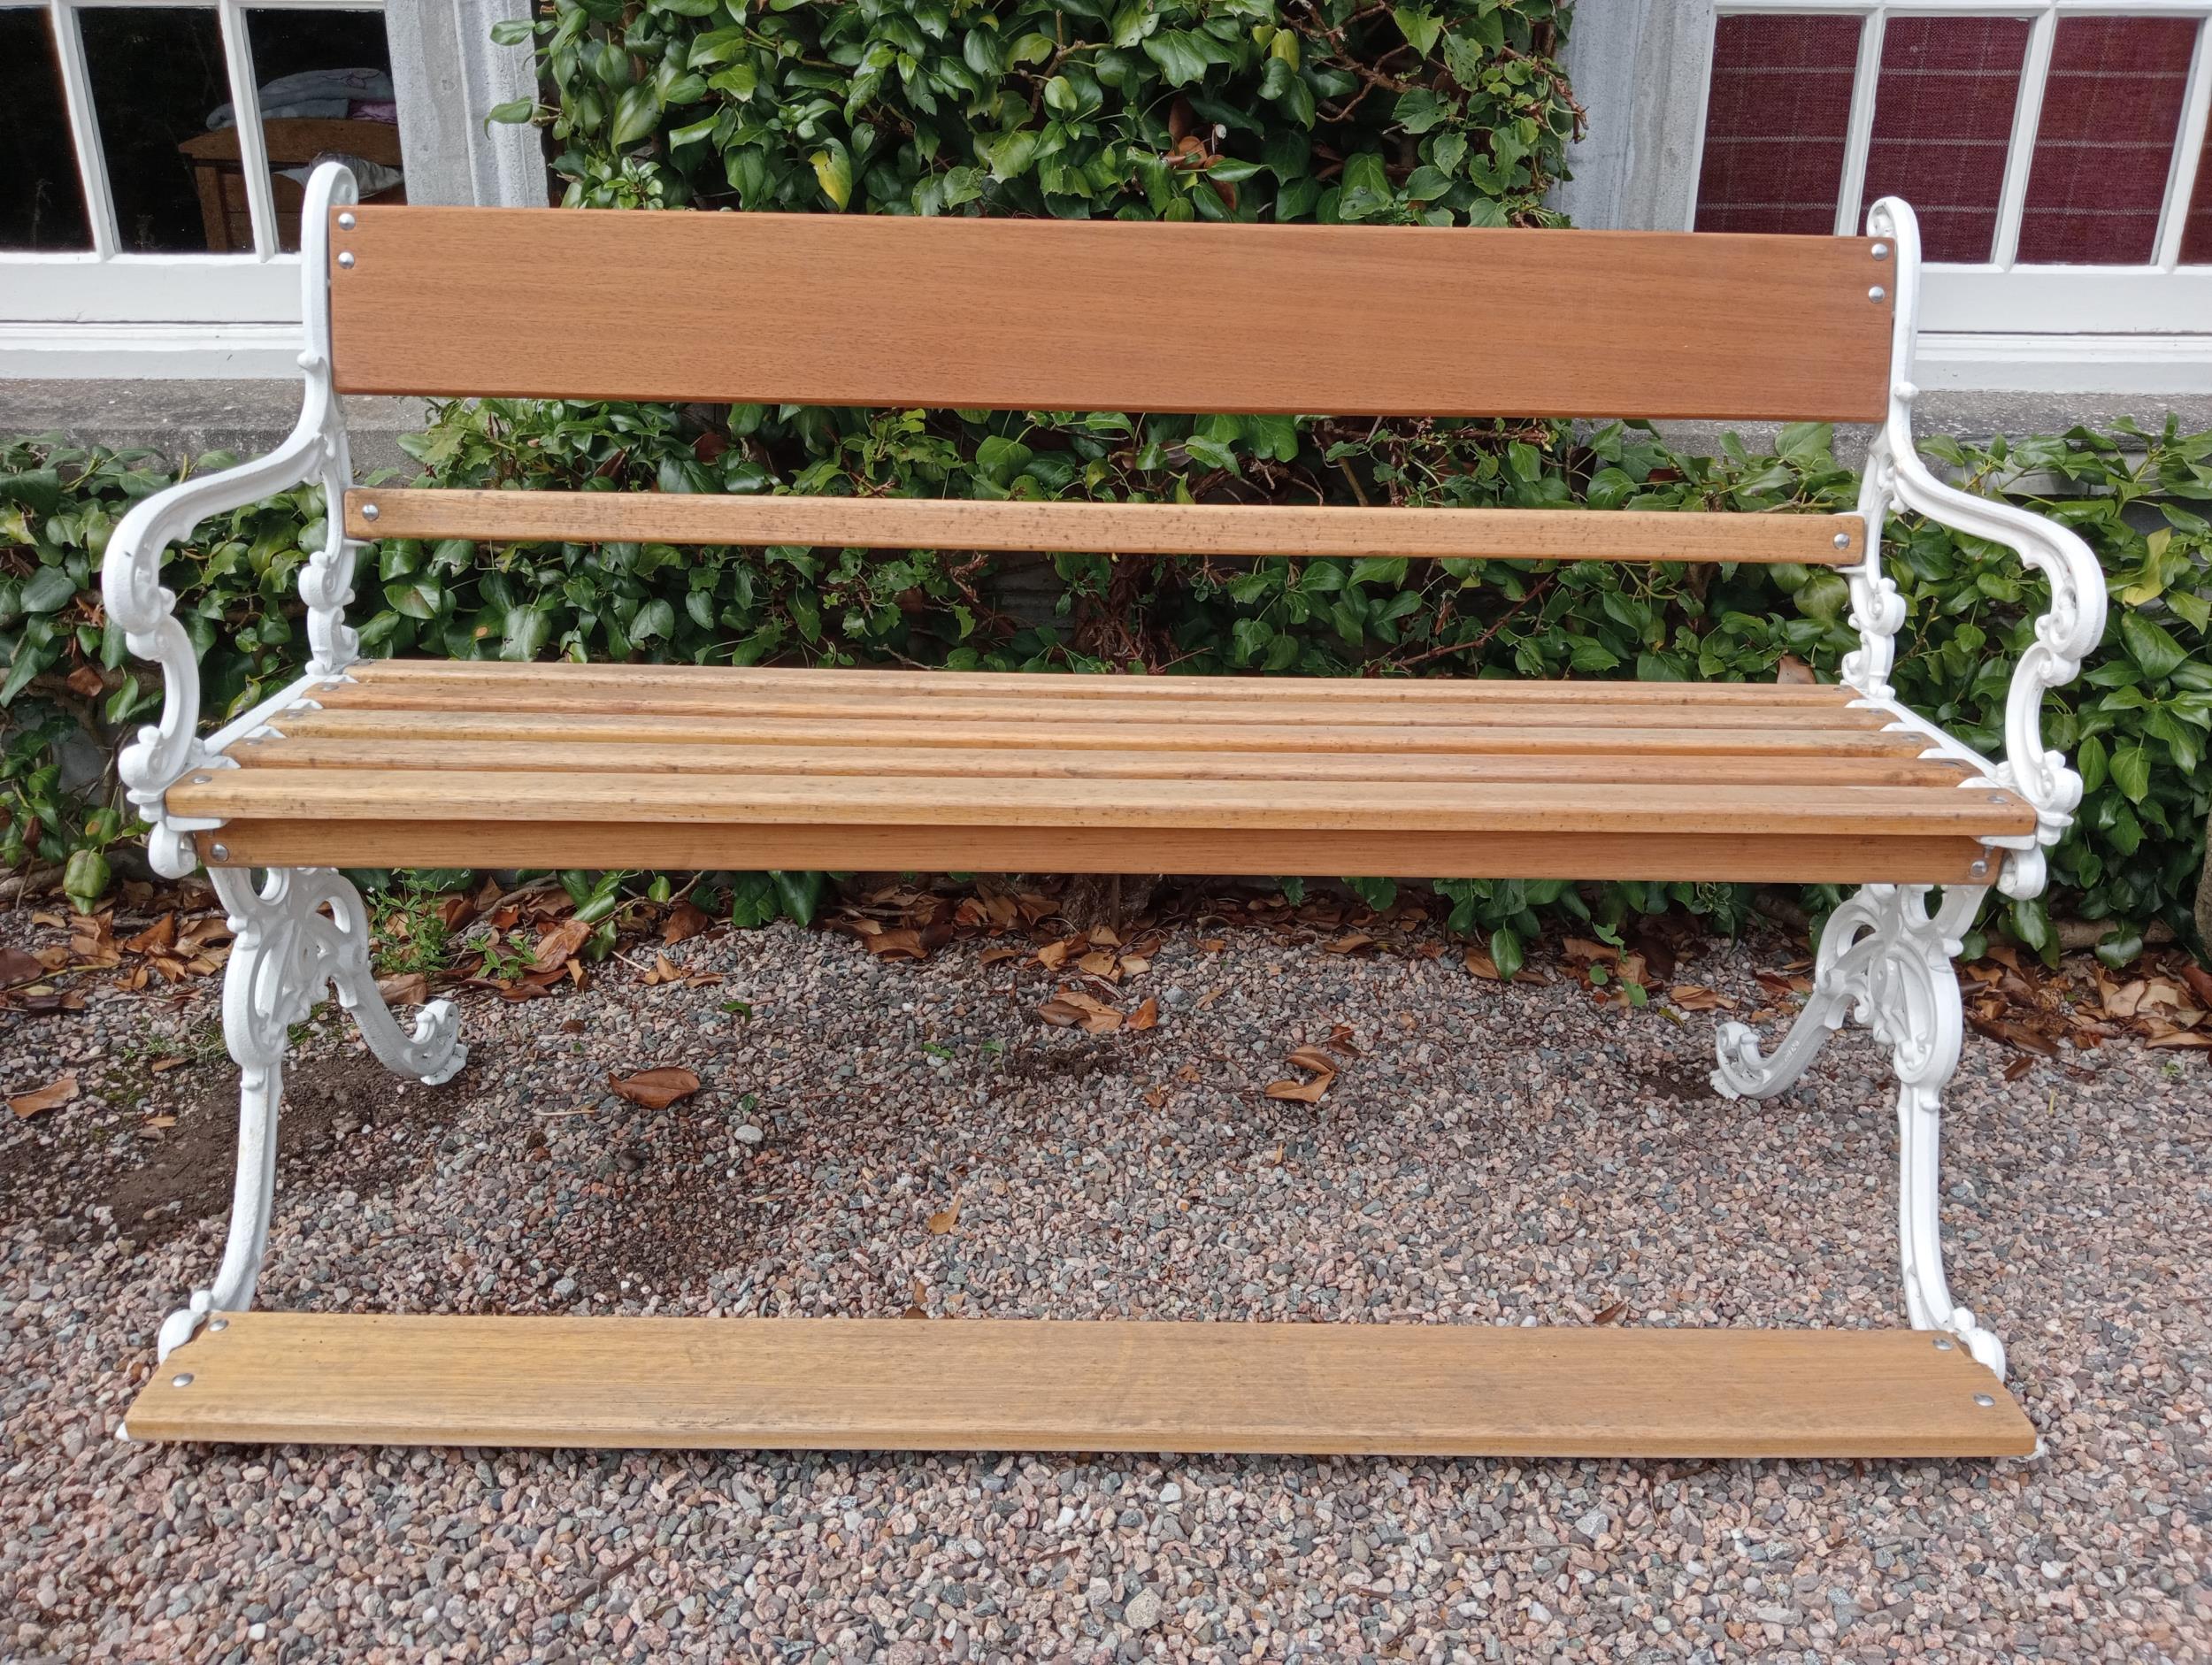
(450,795)
(1803,858)
(1035,1385)
(435,726)
(1195,530)
(567,754)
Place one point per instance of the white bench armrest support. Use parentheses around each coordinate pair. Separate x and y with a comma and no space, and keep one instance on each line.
(130,574)
(1896,478)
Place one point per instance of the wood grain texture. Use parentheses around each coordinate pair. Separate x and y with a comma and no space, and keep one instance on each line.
(409,763)
(755,798)
(1170,529)
(986,1385)
(1114,685)
(1796,858)
(648,754)
(875,310)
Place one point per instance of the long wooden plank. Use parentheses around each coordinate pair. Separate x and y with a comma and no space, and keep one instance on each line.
(925,800)
(1168,529)
(1067,315)
(1013,1384)
(1796,858)
(706,701)
(429,725)
(567,753)
(1106,685)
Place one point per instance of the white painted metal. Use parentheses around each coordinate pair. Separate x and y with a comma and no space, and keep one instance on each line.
(2027,116)
(1885,962)
(1884,959)
(1858,134)
(130,573)
(289,953)
(303,931)
(2196,110)
(84,127)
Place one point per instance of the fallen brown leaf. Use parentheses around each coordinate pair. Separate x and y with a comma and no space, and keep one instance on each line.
(656,1089)
(1482,965)
(1314,1059)
(1695,997)
(162,1066)
(900,942)
(559,944)
(157,937)
(1610,1313)
(1302,1092)
(160,1121)
(947,1217)
(1147,1015)
(52,1096)
(410,988)
(1073,1009)
(684,922)
(18,967)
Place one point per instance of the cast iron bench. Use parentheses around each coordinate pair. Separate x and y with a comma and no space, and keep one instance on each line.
(369,764)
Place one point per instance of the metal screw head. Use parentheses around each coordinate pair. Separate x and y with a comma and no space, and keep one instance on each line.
(1943,1344)
(1843,540)
(1996,797)
(1983,1401)
(345,223)
(1977,870)
(369,511)
(220,852)
(1877,293)
(183,1379)
(346,258)
(218,1323)
(202,780)
(1880,250)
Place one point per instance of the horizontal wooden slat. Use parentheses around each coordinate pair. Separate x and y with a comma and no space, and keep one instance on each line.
(1178,690)
(795,703)
(1251,852)
(1164,730)
(567,753)
(1226,805)
(1041,314)
(1173,529)
(983,1384)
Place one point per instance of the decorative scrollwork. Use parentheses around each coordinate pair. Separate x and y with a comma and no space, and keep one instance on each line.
(1887,961)
(2065,635)
(130,574)
(301,933)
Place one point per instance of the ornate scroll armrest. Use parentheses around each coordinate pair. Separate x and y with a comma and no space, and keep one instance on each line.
(2064,636)
(130,575)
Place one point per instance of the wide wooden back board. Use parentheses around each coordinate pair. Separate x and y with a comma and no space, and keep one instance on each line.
(1013,314)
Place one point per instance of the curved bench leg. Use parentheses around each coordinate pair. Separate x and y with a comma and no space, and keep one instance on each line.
(287,955)
(1887,961)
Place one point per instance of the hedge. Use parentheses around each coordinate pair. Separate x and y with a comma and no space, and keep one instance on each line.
(2137,721)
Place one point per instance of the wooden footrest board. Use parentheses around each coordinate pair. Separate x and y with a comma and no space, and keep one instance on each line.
(997,1384)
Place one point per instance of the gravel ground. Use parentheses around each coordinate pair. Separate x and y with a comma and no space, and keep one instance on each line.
(1496,1154)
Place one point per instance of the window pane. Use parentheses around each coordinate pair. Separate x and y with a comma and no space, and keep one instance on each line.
(1775,123)
(2196,231)
(1942,123)
(326,82)
(2105,145)
(42,200)
(156,74)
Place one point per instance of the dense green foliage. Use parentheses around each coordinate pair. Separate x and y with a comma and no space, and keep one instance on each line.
(2138,721)
(1453,112)
(1450,113)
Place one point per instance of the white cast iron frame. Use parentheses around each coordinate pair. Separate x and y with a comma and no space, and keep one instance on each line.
(1887,957)
(300,931)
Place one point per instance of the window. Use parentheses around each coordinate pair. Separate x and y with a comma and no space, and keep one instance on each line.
(153,155)
(2055,150)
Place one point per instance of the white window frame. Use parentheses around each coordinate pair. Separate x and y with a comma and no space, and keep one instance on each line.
(2004,295)
(106,311)
(2136,332)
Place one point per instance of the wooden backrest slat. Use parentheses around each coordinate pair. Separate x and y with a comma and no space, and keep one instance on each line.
(1199,529)
(1007,314)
